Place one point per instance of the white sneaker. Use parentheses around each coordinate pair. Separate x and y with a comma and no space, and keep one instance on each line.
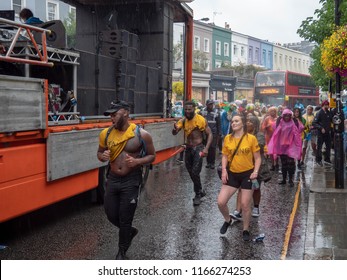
(255,212)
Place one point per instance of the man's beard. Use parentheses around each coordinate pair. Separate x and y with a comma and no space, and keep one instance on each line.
(189,116)
(119,124)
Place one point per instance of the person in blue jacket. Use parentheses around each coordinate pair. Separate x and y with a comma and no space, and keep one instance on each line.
(27,17)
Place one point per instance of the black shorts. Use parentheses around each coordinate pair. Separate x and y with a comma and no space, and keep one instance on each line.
(238,180)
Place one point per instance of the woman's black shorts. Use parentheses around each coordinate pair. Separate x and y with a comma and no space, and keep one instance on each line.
(238,180)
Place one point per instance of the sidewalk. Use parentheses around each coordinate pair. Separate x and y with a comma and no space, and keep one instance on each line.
(326,231)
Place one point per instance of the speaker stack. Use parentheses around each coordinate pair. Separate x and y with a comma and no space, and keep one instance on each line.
(123,46)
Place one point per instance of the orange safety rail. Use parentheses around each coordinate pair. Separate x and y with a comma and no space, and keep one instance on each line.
(41,54)
(167,154)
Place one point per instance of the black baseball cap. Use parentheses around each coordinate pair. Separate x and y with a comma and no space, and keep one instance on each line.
(209,101)
(116,106)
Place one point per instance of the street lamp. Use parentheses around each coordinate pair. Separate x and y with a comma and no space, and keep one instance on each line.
(338,120)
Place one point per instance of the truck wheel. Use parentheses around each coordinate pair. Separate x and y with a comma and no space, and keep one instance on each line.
(100,190)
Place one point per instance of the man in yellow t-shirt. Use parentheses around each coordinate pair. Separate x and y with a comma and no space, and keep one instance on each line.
(122,148)
(194,126)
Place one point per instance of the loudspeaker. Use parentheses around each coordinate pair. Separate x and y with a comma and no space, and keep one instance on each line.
(116,37)
(56,38)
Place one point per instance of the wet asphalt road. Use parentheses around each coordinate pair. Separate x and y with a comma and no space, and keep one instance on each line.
(170,227)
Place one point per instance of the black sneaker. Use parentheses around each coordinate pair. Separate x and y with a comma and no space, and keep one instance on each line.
(319,163)
(212,166)
(328,162)
(225,226)
(208,166)
(121,255)
(202,193)
(245,235)
(197,200)
(291,183)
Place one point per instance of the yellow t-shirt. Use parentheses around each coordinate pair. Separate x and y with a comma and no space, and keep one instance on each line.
(116,140)
(197,121)
(243,159)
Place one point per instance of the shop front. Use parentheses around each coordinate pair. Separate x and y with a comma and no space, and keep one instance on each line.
(222,88)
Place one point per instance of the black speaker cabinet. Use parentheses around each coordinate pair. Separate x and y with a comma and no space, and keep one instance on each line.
(56,38)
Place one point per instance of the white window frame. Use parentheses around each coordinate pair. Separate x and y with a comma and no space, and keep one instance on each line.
(208,65)
(242,51)
(206,45)
(72,8)
(256,54)
(218,48)
(196,43)
(226,49)
(56,3)
(250,53)
(218,64)
(235,48)
(22,5)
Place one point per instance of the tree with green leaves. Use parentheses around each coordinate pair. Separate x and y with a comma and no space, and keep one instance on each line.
(316,30)
(177,52)
(178,89)
(200,61)
(70,26)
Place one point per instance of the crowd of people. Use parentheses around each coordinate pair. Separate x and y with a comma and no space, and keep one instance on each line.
(253,139)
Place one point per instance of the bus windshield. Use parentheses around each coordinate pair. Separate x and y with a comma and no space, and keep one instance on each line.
(265,79)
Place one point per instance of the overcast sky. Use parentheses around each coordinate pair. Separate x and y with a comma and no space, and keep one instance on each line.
(273,20)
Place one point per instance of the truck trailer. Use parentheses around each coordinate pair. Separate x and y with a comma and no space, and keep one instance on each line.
(52,98)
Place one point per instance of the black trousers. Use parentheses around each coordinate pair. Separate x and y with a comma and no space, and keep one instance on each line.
(321,139)
(120,203)
(193,163)
(211,156)
(288,167)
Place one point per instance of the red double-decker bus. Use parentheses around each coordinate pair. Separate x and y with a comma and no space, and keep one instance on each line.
(285,88)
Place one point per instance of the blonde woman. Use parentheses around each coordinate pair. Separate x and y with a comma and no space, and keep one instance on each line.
(240,150)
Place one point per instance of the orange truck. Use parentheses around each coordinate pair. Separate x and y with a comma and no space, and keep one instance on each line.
(52,98)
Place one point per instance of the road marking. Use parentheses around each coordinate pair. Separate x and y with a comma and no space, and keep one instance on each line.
(290,224)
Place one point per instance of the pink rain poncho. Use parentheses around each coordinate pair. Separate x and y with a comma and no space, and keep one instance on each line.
(286,139)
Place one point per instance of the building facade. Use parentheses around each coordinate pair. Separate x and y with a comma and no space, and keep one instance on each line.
(287,59)
(224,46)
(221,54)
(203,41)
(239,52)
(46,10)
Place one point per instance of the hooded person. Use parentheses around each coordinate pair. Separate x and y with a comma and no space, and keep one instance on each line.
(286,143)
